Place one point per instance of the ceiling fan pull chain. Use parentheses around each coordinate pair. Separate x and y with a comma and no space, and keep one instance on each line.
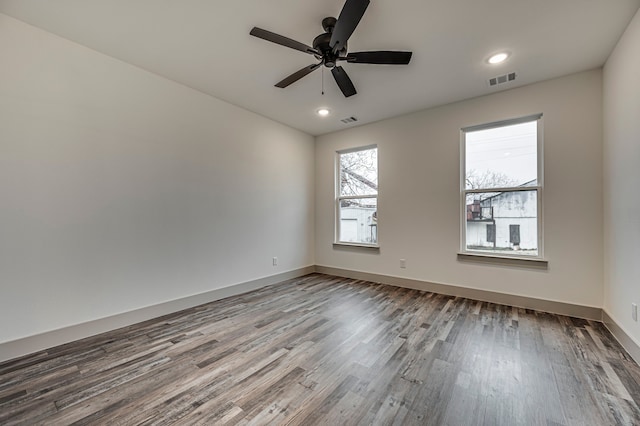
(322,74)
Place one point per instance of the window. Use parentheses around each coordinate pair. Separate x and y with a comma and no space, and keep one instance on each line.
(501,188)
(491,233)
(514,234)
(357,197)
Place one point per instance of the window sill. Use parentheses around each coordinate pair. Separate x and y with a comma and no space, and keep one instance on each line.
(488,258)
(373,247)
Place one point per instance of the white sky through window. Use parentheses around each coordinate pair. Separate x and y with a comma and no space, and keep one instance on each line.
(509,152)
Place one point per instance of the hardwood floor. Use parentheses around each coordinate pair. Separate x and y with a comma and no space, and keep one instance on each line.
(327,350)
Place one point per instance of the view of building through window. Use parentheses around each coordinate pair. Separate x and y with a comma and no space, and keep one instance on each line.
(501,189)
(357,200)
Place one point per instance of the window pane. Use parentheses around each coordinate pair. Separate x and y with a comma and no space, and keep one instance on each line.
(359,221)
(359,172)
(502,157)
(503,222)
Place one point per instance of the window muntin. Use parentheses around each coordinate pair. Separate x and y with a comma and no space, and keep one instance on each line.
(501,188)
(357,197)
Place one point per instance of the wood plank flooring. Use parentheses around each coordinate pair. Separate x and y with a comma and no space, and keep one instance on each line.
(332,351)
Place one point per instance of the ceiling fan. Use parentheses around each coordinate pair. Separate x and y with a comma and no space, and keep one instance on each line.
(331,47)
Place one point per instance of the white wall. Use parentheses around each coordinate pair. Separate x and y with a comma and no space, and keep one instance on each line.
(419,193)
(120,189)
(622,179)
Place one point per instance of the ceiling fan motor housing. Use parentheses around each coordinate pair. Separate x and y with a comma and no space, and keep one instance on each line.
(322,44)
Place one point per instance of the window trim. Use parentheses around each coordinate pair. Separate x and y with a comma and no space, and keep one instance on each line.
(338,198)
(539,188)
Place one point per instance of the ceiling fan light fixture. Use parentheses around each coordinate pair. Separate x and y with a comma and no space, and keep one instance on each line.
(498,58)
(323,112)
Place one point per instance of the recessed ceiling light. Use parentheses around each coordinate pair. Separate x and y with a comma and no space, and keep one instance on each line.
(323,112)
(498,57)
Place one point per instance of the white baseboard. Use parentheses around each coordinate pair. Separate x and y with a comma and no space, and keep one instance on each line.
(627,342)
(27,345)
(569,309)
(38,342)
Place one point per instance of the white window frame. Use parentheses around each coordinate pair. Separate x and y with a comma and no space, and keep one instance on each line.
(539,188)
(338,198)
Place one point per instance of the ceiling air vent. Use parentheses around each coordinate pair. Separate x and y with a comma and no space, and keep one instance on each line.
(501,79)
(349,120)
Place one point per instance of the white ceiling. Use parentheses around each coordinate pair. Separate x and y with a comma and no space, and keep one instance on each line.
(206,45)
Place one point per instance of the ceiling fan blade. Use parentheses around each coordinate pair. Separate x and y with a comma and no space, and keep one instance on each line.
(380,57)
(297,75)
(348,20)
(344,82)
(282,40)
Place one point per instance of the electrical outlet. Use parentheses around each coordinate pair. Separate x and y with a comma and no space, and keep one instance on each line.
(275,261)
(634,311)
(403,263)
